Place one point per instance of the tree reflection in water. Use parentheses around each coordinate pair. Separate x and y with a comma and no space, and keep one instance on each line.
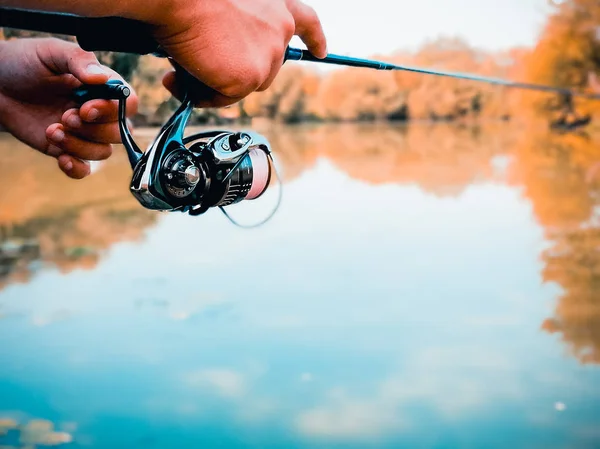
(47,219)
(560,177)
(558,174)
(50,220)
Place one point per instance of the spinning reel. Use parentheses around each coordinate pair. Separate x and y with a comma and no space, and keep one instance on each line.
(191,174)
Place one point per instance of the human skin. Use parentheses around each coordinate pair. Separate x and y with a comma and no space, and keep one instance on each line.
(231,47)
(37,78)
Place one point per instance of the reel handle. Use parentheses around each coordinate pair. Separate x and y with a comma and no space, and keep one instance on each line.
(112,90)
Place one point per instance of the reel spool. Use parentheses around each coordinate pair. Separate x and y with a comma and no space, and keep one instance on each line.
(196,173)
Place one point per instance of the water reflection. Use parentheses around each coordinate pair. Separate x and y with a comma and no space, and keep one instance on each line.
(560,177)
(558,174)
(35,433)
(47,220)
(441,159)
(401,288)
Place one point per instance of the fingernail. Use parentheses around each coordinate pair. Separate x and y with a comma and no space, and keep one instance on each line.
(95,69)
(68,166)
(73,121)
(58,136)
(54,151)
(93,114)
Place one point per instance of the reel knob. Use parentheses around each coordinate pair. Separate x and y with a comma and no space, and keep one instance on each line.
(182,174)
(192,175)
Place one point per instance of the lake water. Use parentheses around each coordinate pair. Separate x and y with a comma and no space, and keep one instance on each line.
(427,286)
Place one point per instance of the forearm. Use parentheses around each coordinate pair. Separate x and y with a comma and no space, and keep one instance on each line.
(144,10)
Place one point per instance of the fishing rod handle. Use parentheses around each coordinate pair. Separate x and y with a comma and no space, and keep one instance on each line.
(116,34)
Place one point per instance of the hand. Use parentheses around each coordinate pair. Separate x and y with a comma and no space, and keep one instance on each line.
(37,77)
(233,47)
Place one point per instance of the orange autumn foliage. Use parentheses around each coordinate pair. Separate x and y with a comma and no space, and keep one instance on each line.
(567,52)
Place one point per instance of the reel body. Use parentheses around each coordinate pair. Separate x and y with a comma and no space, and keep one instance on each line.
(190,174)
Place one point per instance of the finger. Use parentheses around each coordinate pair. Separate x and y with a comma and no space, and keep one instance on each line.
(101,132)
(202,95)
(105,111)
(169,81)
(75,146)
(279,57)
(309,28)
(53,151)
(235,81)
(68,58)
(73,167)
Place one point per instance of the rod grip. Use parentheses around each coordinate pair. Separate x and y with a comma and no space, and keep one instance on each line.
(116,34)
(119,35)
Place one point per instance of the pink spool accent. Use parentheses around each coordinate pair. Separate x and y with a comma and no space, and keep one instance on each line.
(260,173)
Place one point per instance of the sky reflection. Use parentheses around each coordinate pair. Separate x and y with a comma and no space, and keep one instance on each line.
(363,315)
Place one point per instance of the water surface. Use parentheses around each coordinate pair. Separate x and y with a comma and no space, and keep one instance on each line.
(429,286)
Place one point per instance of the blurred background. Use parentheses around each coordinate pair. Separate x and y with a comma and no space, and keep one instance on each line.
(432,278)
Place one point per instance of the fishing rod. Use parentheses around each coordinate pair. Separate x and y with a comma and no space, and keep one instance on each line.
(205,170)
(130,36)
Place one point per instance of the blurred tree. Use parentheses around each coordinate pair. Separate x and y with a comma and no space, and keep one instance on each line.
(567,53)
(155,105)
(286,100)
(445,98)
(358,94)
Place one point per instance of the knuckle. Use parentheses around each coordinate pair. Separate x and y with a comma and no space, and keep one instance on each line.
(98,152)
(289,27)
(236,89)
(78,52)
(244,84)
(264,86)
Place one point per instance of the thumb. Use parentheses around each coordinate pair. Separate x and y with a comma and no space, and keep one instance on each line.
(62,57)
